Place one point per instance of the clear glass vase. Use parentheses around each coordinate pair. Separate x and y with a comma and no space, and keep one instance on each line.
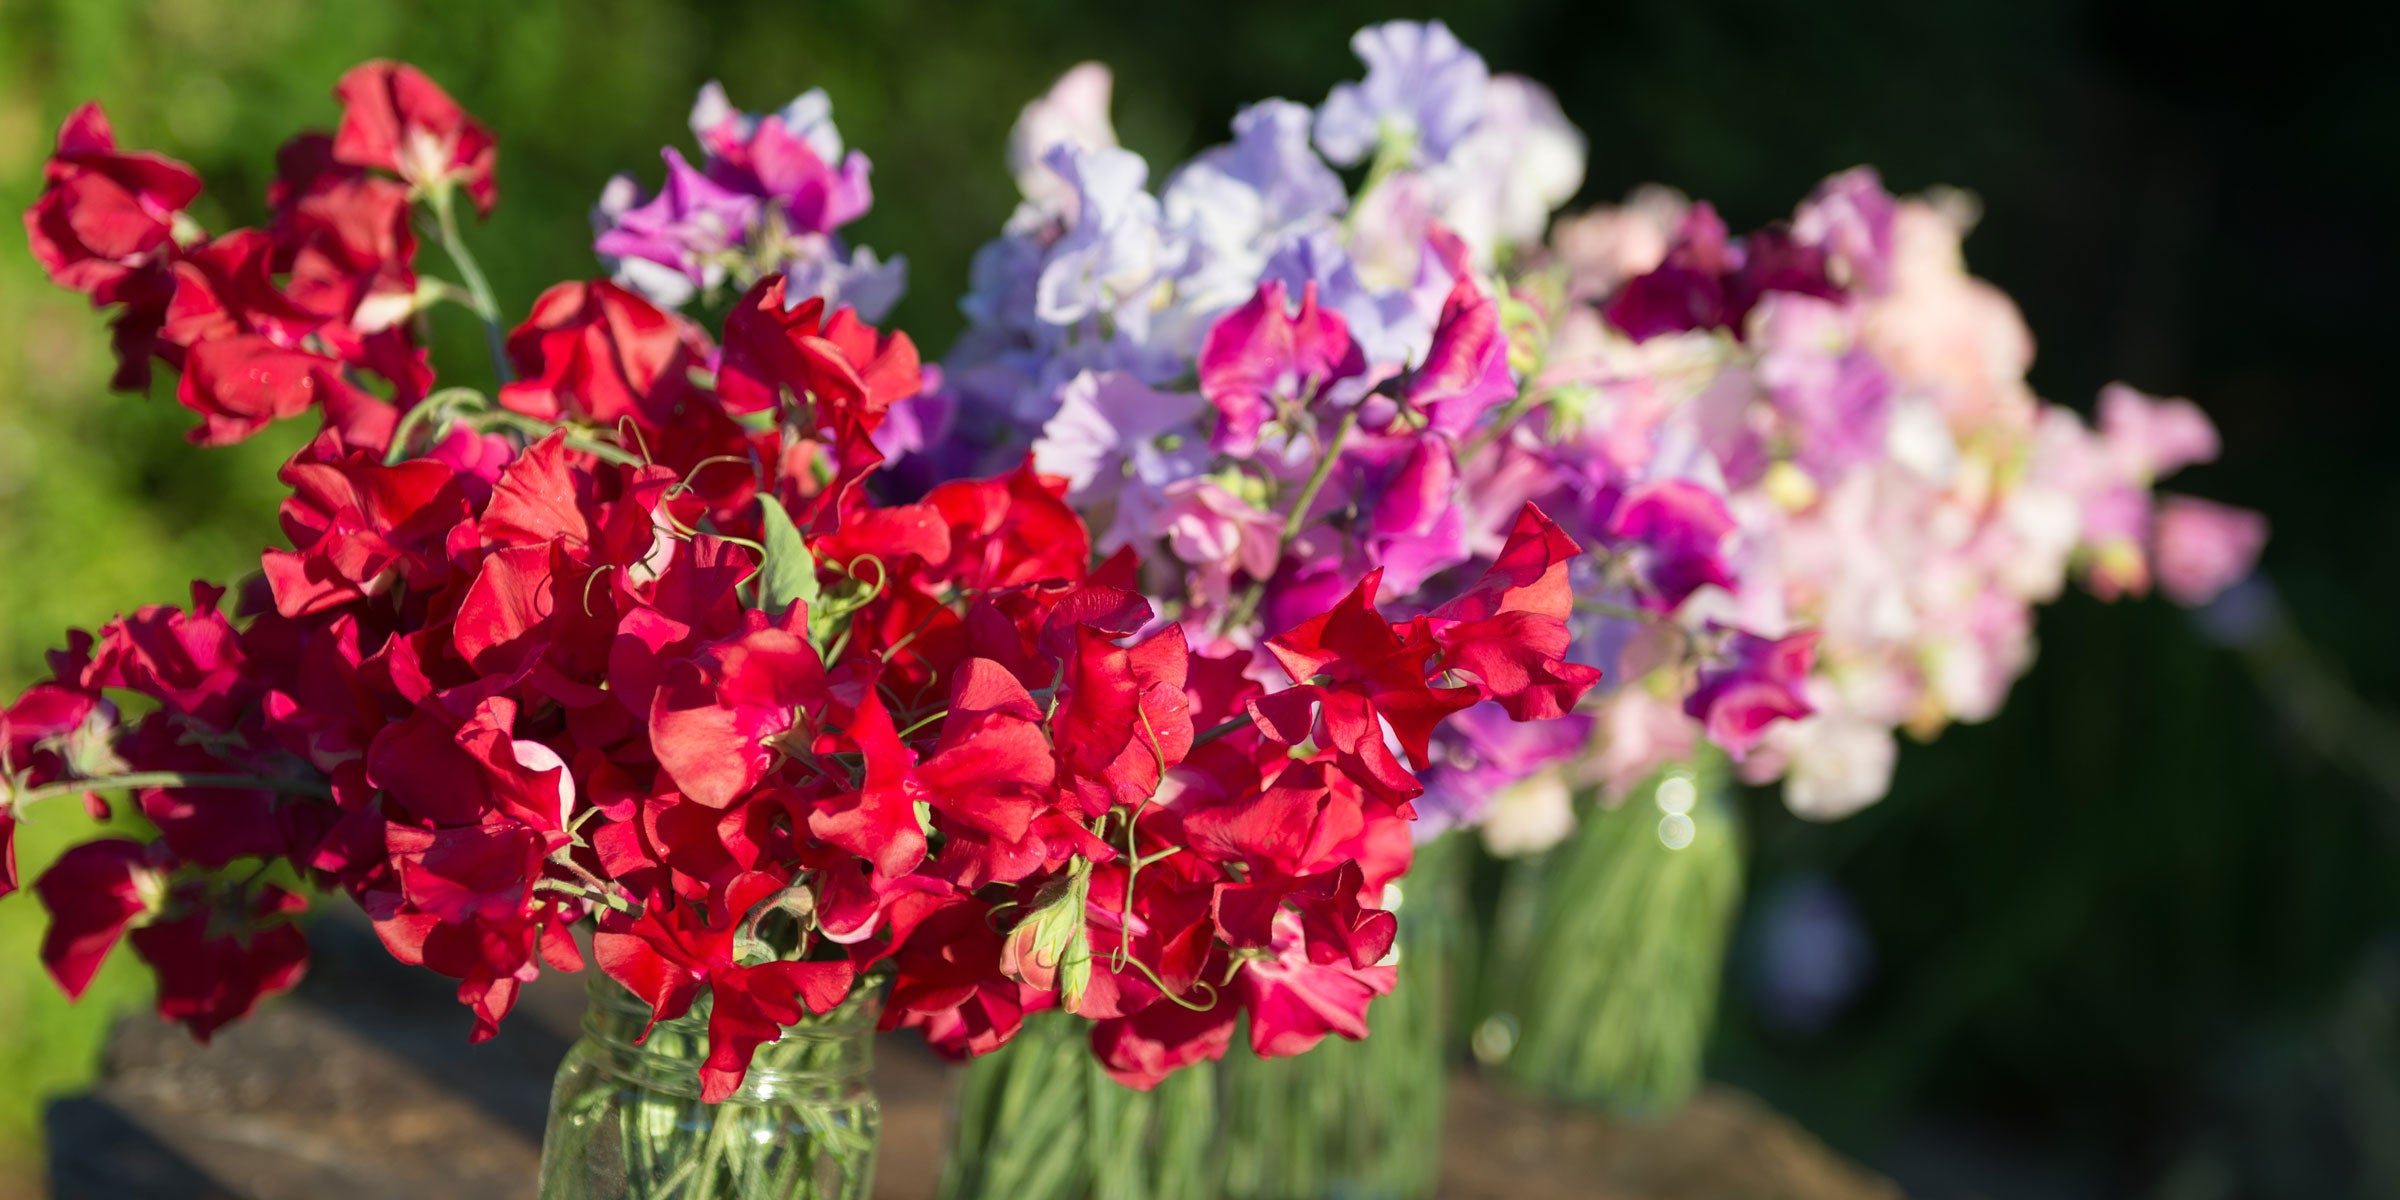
(627,1121)
(1039,1120)
(1361,1120)
(1608,950)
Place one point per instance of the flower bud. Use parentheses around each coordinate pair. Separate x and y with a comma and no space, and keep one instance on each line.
(1049,948)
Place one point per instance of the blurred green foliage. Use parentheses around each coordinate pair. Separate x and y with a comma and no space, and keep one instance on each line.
(2113,926)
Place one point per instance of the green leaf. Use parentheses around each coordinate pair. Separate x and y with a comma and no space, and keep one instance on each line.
(790,571)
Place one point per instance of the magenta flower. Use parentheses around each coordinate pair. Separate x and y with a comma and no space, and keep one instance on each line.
(1465,372)
(1263,358)
(685,231)
(1757,683)
(1677,530)
(787,157)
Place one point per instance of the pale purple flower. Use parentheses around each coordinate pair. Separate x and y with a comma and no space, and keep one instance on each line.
(1265,180)
(1421,83)
(1388,325)
(860,281)
(1523,161)
(1832,391)
(1107,426)
(1856,222)
(1074,112)
(1480,752)
(1115,254)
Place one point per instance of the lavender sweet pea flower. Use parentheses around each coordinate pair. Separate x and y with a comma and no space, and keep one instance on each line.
(1833,390)
(1421,83)
(1388,326)
(861,281)
(676,242)
(1115,255)
(1524,160)
(1107,425)
(1239,195)
(1074,112)
(1480,752)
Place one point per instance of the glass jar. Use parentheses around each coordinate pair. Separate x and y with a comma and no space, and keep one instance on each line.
(627,1121)
(1038,1119)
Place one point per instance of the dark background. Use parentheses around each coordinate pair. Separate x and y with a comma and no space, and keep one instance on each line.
(2136,937)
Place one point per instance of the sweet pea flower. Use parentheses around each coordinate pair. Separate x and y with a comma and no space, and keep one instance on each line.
(1758,681)
(1522,161)
(2201,548)
(1422,84)
(675,243)
(1074,112)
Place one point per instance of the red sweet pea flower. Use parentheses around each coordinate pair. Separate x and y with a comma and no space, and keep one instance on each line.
(718,719)
(395,119)
(1375,673)
(1143,1049)
(94,891)
(497,685)
(1123,719)
(1509,631)
(596,352)
(667,953)
(240,385)
(105,216)
(1294,1000)
(105,226)
(213,968)
(853,373)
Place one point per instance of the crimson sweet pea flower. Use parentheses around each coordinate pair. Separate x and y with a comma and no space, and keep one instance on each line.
(395,119)
(105,216)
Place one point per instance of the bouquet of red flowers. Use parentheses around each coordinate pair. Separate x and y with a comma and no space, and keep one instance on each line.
(636,644)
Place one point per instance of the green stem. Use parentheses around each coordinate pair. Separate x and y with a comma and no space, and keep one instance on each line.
(1316,480)
(1245,607)
(173,779)
(479,290)
(536,428)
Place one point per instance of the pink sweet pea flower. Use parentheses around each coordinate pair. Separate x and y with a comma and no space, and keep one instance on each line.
(2201,548)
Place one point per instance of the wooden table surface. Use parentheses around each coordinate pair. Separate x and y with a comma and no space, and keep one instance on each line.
(362,1087)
